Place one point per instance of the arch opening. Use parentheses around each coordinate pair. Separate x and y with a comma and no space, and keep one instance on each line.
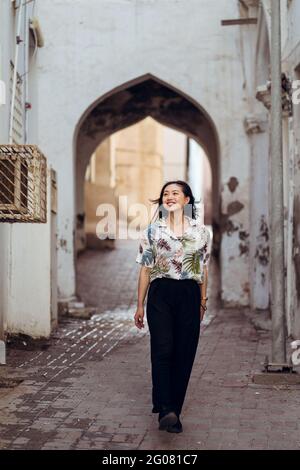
(130,104)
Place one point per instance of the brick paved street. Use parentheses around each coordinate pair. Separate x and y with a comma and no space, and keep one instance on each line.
(90,387)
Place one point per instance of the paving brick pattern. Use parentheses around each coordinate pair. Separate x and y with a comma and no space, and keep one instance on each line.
(91,388)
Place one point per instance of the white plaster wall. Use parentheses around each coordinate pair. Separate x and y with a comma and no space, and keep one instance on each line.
(196,169)
(200,177)
(235,163)
(292,18)
(256,60)
(29,294)
(4,276)
(196,175)
(260,229)
(90,51)
(24,248)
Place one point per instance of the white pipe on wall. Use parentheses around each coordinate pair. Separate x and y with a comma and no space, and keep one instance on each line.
(15,75)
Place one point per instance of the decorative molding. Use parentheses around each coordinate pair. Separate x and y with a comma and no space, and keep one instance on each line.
(287,102)
(251,7)
(255,123)
(250,4)
(265,15)
(263,94)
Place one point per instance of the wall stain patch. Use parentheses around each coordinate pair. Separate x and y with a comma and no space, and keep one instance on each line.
(262,252)
(234,207)
(232,184)
(296,236)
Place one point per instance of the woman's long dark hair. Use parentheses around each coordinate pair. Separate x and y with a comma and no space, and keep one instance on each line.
(186,191)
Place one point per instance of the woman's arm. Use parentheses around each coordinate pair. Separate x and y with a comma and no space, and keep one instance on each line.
(144,281)
(203,292)
(203,286)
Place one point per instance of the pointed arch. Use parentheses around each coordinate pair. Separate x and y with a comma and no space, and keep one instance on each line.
(130,103)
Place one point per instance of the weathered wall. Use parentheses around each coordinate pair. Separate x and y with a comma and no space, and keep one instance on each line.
(256,55)
(291,65)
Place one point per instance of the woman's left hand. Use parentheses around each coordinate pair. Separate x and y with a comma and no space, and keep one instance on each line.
(202,310)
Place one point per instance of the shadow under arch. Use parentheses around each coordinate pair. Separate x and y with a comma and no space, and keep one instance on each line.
(130,103)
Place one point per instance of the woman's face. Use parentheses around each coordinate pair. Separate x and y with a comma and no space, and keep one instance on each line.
(173,198)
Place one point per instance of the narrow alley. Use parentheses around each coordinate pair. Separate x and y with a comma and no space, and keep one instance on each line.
(89,387)
(148,142)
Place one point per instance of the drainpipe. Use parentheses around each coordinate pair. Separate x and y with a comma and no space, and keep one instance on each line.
(2,242)
(14,84)
(26,76)
(277,212)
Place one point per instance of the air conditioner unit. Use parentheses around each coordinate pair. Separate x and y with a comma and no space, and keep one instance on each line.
(23,184)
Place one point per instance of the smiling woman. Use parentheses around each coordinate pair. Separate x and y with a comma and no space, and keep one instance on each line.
(174,252)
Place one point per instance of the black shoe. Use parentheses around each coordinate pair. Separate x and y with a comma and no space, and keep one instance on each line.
(167,419)
(176,428)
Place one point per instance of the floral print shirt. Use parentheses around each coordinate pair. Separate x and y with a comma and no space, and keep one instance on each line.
(175,257)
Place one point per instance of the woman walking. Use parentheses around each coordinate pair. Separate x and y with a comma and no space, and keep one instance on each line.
(174,252)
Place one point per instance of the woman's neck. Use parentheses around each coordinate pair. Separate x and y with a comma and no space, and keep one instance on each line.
(176,218)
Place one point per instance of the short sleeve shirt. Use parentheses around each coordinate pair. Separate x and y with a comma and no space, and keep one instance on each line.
(176,257)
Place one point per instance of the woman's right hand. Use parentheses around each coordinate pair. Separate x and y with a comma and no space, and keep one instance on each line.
(139,317)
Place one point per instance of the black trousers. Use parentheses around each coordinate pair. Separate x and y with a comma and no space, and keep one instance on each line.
(173,316)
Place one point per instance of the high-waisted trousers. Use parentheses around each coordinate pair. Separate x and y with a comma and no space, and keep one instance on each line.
(173,316)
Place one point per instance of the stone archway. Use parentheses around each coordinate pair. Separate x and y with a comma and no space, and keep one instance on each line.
(129,104)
